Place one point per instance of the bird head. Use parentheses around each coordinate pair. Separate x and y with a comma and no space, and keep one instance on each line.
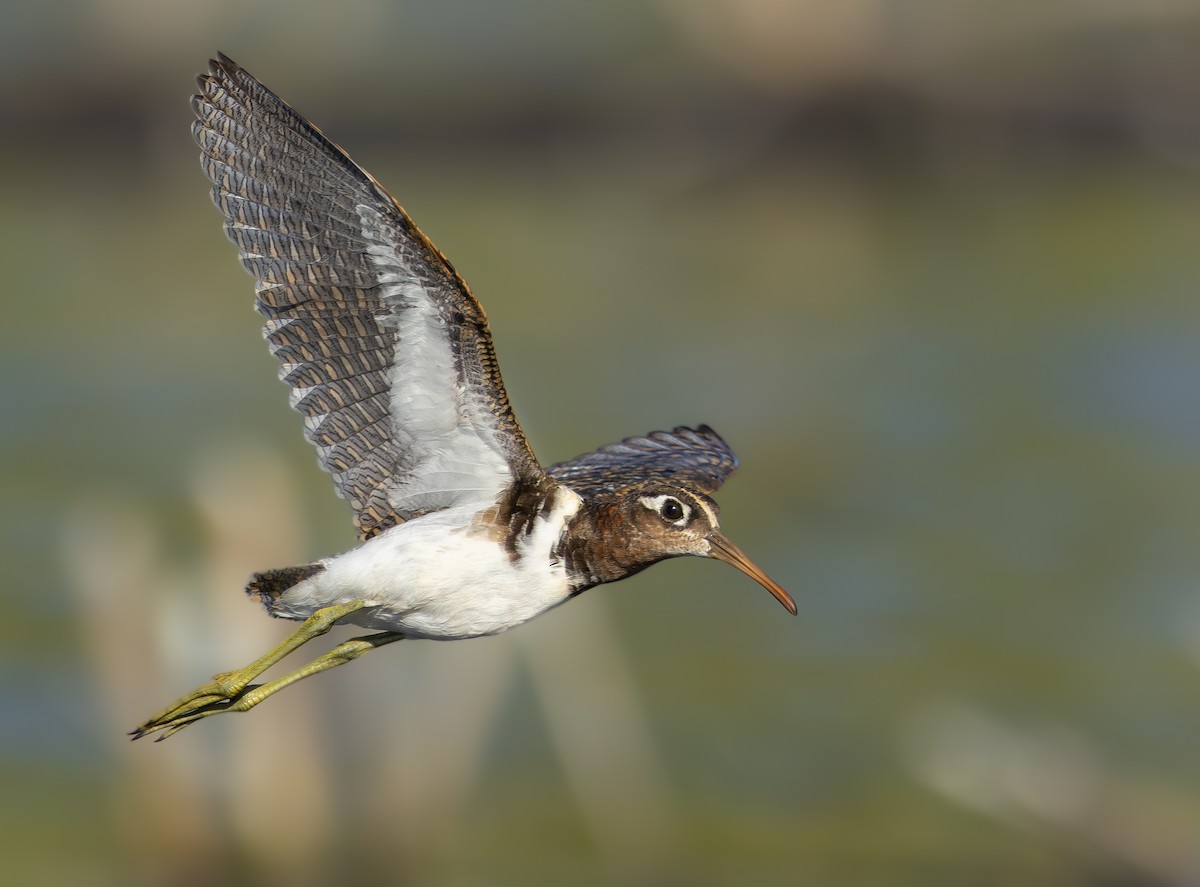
(666,520)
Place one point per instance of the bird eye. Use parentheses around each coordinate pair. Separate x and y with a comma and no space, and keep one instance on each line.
(671,510)
(668,508)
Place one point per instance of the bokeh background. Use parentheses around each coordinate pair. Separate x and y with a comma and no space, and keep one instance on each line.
(931,267)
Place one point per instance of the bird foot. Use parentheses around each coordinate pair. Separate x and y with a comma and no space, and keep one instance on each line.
(220,695)
(232,690)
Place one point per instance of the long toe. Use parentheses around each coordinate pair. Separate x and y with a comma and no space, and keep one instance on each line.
(212,698)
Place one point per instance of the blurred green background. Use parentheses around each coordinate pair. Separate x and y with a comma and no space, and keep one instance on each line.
(931,268)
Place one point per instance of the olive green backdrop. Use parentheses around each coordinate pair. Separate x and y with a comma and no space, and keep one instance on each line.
(932,269)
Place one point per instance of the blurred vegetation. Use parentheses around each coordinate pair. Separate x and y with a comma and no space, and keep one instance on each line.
(930,267)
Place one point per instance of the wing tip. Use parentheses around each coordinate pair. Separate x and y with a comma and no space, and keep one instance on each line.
(221,70)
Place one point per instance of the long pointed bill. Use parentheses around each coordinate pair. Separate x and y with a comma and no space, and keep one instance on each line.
(724,550)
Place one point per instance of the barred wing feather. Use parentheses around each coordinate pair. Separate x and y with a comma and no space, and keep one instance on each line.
(697,457)
(387,353)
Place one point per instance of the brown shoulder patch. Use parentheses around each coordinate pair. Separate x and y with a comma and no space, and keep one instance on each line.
(514,516)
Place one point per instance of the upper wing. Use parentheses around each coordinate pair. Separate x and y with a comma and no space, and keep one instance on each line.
(387,352)
(697,457)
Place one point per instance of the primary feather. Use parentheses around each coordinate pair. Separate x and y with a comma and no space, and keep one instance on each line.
(387,353)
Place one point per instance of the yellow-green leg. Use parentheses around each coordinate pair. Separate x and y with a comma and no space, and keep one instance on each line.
(230,691)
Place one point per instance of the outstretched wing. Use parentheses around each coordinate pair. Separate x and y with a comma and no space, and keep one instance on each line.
(387,352)
(697,457)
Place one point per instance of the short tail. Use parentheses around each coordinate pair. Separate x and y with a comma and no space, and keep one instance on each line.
(270,585)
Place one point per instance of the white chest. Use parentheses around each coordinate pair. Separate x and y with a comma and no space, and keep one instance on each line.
(436,577)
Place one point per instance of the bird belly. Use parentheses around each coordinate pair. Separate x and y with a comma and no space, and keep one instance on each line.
(437,577)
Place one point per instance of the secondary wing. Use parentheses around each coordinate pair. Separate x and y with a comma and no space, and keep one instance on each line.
(387,353)
(697,457)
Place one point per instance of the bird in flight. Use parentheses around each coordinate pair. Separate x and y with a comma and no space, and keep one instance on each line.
(389,359)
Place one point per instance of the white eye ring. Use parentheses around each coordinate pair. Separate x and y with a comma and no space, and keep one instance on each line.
(669,508)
